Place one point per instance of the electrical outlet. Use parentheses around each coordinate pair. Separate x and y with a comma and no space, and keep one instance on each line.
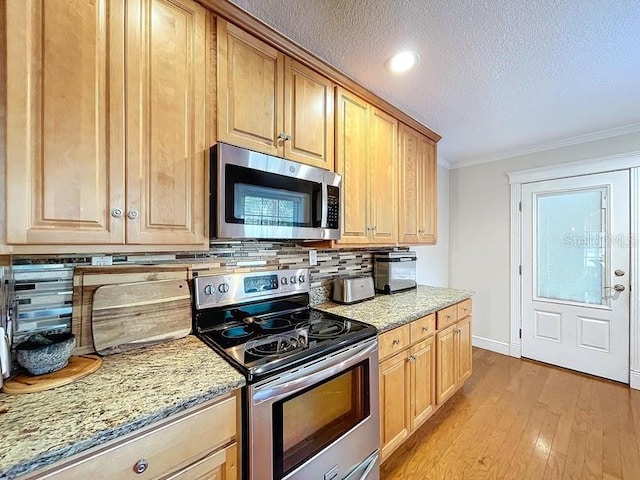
(104,260)
(313,257)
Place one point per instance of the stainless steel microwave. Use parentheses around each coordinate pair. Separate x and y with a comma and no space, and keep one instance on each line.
(254,195)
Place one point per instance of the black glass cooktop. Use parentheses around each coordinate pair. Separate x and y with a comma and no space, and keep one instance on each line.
(261,343)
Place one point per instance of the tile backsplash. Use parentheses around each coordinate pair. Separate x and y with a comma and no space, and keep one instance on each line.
(43,287)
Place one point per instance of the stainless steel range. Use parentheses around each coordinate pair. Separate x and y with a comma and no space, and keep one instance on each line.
(311,401)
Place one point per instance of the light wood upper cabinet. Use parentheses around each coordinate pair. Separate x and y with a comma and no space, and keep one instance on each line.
(65,121)
(383,184)
(366,146)
(352,149)
(250,90)
(418,188)
(308,116)
(270,103)
(98,153)
(166,122)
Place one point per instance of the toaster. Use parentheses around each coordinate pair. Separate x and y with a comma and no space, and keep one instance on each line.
(394,271)
(353,289)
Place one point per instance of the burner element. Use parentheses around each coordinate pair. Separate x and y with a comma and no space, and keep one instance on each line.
(309,315)
(273,323)
(275,345)
(324,328)
(237,332)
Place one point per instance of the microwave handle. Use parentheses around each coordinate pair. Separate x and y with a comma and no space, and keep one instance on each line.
(324,205)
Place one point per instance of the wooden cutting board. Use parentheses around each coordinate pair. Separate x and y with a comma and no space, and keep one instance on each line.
(77,368)
(134,315)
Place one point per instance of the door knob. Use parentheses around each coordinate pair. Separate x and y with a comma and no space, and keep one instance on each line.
(617,287)
(619,273)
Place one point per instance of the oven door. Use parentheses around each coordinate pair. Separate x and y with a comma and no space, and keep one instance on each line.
(260,196)
(319,421)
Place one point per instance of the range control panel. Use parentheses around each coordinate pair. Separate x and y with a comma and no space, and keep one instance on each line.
(219,290)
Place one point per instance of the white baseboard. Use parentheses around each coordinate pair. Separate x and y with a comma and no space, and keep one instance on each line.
(515,350)
(634,380)
(489,344)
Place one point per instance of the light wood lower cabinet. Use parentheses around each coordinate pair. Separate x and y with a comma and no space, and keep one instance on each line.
(196,445)
(420,368)
(453,346)
(407,383)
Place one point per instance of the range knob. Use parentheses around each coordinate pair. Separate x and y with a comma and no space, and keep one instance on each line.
(208,289)
(223,287)
(284,280)
(293,279)
(301,279)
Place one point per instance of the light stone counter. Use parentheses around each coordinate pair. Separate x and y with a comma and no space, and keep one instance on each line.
(389,311)
(131,390)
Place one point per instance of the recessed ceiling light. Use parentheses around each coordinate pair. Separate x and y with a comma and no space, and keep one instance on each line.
(402,62)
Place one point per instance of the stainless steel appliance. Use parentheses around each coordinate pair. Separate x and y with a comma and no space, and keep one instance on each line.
(349,290)
(253,195)
(311,400)
(394,271)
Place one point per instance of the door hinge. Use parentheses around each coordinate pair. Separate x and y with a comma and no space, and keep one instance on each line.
(519,269)
(520,333)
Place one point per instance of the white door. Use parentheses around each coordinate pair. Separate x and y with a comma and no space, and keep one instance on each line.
(575,273)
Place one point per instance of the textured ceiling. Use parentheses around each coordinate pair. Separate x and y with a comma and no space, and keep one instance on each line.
(495,76)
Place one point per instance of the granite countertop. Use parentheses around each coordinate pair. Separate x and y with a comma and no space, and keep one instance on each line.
(131,390)
(389,311)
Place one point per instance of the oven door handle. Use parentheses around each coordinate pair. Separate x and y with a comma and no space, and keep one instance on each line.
(312,374)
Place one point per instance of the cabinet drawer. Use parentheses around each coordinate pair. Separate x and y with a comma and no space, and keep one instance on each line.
(394,341)
(423,328)
(164,449)
(464,308)
(220,465)
(447,316)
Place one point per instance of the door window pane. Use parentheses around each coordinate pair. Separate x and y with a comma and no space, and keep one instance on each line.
(571,249)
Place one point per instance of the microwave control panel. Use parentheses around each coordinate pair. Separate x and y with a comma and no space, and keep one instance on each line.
(333,207)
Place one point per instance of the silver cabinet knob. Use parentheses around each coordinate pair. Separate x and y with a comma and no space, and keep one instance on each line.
(141,466)
(282,136)
(288,137)
(425,329)
(132,214)
(396,341)
(116,212)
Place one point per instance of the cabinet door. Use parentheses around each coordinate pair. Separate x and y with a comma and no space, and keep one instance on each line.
(221,465)
(64,119)
(445,363)
(409,186)
(428,191)
(383,188)
(423,382)
(308,116)
(351,162)
(250,91)
(464,351)
(166,122)
(394,405)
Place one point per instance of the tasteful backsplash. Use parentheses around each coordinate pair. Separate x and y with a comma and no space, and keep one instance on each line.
(44,284)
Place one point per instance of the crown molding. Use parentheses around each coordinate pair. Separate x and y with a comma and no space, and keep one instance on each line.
(541,147)
(443,163)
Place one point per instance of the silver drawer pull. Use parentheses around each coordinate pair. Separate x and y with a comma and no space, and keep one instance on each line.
(396,341)
(425,329)
(141,466)
(448,317)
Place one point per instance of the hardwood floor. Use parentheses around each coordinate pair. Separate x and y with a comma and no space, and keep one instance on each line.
(517,419)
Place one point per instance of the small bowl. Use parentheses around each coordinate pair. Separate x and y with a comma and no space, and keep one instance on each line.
(42,354)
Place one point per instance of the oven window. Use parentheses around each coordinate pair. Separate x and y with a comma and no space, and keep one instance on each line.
(309,421)
(270,206)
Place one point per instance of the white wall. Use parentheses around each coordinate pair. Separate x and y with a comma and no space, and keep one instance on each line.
(479,230)
(432,267)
